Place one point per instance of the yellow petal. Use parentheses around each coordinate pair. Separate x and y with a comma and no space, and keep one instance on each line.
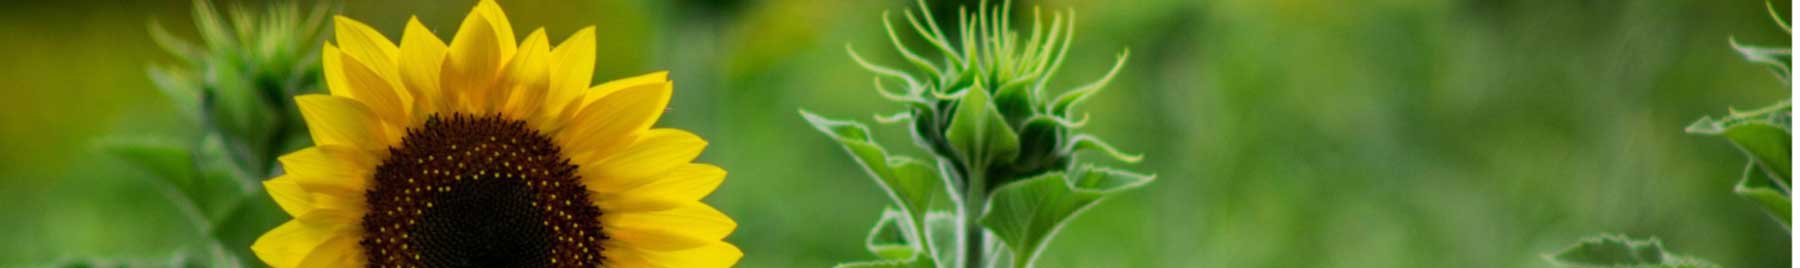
(683,227)
(496,19)
(659,151)
(329,168)
(363,43)
(682,185)
(289,195)
(296,199)
(332,218)
(341,121)
(382,95)
(610,123)
(421,61)
(571,70)
(527,77)
(338,251)
(288,244)
(334,71)
(717,254)
(603,90)
(475,56)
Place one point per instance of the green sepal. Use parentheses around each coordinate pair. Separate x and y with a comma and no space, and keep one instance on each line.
(911,184)
(1013,100)
(1618,251)
(1089,142)
(1025,214)
(979,133)
(1778,59)
(1758,186)
(1039,140)
(1066,102)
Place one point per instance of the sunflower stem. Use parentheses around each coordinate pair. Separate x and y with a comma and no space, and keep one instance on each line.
(974,237)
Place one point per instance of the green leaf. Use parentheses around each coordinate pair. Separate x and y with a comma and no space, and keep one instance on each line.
(1611,250)
(912,184)
(1025,214)
(1758,186)
(1769,145)
(979,133)
(940,236)
(890,239)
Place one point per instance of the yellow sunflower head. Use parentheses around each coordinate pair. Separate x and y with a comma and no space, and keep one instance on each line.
(490,152)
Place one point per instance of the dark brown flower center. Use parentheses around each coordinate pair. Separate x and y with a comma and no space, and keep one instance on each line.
(479,191)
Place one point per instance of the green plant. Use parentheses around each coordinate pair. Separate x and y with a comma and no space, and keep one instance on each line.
(235,86)
(1764,134)
(1004,174)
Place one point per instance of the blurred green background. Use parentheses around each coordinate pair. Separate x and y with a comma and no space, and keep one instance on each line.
(1285,133)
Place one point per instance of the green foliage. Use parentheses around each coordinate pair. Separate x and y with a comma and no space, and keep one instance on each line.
(1764,134)
(1026,213)
(237,85)
(1617,251)
(981,111)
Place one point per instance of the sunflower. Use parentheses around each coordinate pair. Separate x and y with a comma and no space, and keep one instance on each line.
(490,152)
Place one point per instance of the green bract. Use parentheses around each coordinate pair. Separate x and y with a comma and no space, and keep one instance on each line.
(235,85)
(1003,149)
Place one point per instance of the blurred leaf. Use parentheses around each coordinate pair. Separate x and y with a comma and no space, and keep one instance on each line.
(979,133)
(221,186)
(238,110)
(911,184)
(1611,251)
(180,88)
(1758,186)
(1027,213)
(169,162)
